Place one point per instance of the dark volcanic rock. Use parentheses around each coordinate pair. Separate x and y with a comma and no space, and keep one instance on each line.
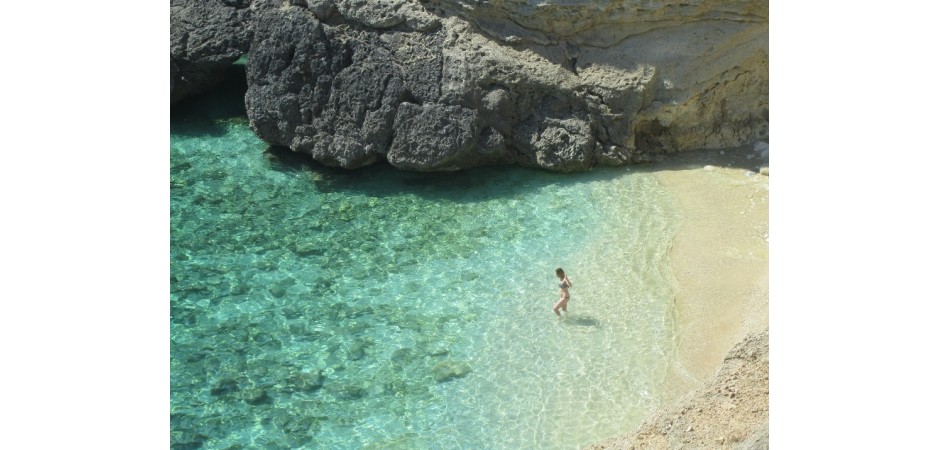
(206,36)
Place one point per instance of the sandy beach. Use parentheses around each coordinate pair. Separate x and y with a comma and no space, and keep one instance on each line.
(719,258)
(717,391)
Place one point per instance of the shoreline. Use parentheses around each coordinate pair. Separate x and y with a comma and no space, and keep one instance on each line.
(719,259)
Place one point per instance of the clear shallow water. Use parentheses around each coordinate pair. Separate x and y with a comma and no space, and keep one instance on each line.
(313,307)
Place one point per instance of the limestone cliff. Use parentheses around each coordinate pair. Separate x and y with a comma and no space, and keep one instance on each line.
(450,84)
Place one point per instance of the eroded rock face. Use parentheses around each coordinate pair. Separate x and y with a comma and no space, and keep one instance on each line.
(334,91)
(206,36)
(595,23)
(450,84)
(731,411)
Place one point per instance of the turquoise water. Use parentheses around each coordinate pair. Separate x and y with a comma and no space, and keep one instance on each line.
(320,308)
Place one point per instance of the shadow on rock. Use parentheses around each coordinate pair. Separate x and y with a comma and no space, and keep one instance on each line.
(463,186)
(750,157)
(202,114)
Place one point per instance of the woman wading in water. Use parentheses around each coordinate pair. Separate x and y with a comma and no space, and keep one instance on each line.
(563,285)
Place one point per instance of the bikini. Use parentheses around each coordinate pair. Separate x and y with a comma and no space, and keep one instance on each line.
(563,285)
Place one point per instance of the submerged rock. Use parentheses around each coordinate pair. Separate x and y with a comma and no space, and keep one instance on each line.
(442,351)
(224,386)
(448,370)
(306,381)
(308,248)
(403,356)
(256,396)
(357,350)
(349,392)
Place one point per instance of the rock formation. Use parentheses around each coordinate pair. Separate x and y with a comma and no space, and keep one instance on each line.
(206,37)
(731,411)
(450,84)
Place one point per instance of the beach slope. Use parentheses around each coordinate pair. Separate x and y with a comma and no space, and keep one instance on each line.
(717,391)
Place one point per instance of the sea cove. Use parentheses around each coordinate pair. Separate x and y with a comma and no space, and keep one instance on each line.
(328,308)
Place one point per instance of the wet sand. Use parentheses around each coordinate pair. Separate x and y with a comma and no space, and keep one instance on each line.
(719,258)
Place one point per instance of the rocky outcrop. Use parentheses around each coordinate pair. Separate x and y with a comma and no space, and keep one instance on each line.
(731,411)
(450,84)
(206,37)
